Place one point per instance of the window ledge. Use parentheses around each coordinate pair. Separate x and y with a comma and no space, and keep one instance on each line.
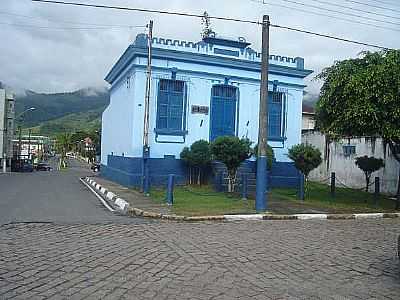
(277,138)
(159,131)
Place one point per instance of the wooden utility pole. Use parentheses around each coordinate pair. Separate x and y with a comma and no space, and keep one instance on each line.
(262,177)
(146,147)
(148,88)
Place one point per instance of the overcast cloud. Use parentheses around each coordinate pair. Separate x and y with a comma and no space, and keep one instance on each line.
(57,60)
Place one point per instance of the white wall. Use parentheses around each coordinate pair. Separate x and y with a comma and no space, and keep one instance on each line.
(345,168)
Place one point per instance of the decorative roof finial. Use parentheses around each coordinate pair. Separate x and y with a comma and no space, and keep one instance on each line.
(207,30)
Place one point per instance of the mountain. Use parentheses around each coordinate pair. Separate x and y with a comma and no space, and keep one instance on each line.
(59,112)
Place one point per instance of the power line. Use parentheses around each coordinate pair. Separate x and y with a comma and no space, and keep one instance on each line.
(67,28)
(328,36)
(374,6)
(213,17)
(334,11)
(63,21)
(356,9)
(147,10)
(324,15)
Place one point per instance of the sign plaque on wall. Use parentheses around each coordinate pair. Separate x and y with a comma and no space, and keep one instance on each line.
(198,109)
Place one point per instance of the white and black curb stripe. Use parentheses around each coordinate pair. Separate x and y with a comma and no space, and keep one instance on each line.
(123,207)
(118,204)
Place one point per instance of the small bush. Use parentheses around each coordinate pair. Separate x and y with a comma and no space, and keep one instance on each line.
(369,165)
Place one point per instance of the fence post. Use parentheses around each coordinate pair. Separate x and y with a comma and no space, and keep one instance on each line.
(333,184)
(377,190)
(301,186)
(170,190)
(244,186)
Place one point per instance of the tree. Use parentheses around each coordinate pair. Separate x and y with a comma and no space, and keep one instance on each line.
(64,144)
(369,165)
(360,97)
(270,155)
(232,151)
(305,157)
(198,156)
(206,22)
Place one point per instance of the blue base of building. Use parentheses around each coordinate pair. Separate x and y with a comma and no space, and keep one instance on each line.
(128,171)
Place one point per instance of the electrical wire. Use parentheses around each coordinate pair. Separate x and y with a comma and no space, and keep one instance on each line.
(374,6)
(332,11)
(324,15)
(356,9)
(328,36)
(67,28)
(63,21)
(212,17)
(147,10)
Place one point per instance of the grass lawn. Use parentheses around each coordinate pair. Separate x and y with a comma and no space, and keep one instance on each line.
(346,200)
(201,201)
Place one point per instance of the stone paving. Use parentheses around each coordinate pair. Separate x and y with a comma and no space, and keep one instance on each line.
(349,259)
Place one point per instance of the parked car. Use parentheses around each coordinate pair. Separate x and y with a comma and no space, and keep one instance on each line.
(95,167)
(26,167)
(43,167)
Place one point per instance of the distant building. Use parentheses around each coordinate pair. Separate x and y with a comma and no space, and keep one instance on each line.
(199,90)
(7,119)
(34,147)
(308,118)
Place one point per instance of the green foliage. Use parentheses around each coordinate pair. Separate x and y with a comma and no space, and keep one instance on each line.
(306,158)
(63,145)
(270,155)
(232,151)
(360,97)
(369,165)
(197,156)
(63,112)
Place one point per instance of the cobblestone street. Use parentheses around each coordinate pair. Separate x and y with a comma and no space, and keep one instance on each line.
(167,260)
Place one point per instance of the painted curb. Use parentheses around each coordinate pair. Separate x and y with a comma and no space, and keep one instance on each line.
(123,206)
(119,204)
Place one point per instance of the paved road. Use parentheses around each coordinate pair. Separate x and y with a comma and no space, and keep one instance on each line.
(55,196)
(88,253)
(167,260)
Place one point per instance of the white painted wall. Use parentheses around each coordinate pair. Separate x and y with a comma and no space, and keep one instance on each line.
(345,168)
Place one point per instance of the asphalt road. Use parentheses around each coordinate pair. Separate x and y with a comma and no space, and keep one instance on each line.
(56,196)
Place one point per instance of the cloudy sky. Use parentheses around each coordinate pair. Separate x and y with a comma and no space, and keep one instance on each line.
(57,48)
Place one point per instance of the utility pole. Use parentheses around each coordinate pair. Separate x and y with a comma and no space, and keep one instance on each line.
(262,176)
(146,148)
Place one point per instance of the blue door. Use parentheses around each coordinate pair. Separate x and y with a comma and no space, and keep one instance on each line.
(223,111)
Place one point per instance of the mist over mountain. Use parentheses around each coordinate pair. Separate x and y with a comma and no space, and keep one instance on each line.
(50,107)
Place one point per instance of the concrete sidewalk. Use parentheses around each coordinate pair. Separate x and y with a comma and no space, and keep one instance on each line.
(133,197)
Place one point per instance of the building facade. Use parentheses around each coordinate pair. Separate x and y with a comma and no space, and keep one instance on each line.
(198,91)
(339,157)
(33,147)
(308,118)
(7,116)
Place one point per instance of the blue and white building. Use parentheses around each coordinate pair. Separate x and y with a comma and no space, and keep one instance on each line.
(199,90)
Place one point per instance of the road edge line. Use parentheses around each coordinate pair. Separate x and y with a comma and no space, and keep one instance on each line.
(97,195)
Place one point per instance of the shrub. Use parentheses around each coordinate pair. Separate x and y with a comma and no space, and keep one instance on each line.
(197,157)
(369,165)
(232,151)
(305,157)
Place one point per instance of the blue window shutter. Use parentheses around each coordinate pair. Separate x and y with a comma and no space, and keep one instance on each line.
(170,105)
(275,114)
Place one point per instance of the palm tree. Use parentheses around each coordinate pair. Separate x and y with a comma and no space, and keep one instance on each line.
(64,144)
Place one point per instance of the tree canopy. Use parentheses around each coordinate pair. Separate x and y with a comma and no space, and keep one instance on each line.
(361,97)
